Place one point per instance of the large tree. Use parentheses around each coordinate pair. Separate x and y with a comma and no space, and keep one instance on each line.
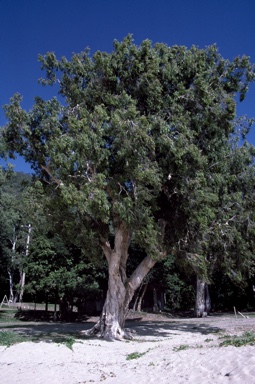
(137,129)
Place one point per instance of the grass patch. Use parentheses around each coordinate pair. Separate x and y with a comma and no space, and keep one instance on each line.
(10,338)
(8,316)
(247,338)
(181,348)
(68,341)
(136,355)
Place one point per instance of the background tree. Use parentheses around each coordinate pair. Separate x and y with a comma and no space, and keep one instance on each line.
(219,230)
(13,230)
(136,132)
(58,273)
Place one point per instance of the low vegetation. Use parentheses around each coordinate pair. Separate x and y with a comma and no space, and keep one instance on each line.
(247,338)
(182,347)
(136,355)
(9,318)
(8,338)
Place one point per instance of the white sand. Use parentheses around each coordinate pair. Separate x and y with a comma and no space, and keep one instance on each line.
(163,362)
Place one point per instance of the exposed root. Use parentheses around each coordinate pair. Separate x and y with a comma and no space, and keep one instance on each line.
(128,335)
(110,334)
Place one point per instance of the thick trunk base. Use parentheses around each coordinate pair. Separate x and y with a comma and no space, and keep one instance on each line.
(109,328)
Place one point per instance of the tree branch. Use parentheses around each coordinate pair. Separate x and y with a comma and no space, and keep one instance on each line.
(143,269)
(55,179)
(105,245)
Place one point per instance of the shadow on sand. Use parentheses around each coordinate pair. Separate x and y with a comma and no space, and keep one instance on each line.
(55,332)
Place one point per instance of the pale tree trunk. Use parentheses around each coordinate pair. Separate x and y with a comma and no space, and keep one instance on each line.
(13,242)
(22,273)
(11,295)
(120,288)
(22,285)
(203,301)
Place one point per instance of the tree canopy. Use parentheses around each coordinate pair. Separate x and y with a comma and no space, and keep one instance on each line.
(139,150)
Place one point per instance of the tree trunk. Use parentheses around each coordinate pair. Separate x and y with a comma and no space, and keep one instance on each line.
(162,301)
(13,241)
(112,319)
(140,301)
(46,305)
(208,304)
(55,316)
(19,294)
(203,301)
(23,274)
(155,300)
(120,288)
(139,295)
(135,304)
(11,295)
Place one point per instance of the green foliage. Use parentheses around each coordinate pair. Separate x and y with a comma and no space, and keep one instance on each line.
(181,347)
(9,338)
(247,338)
(69,342)
(135,355)
(7,315)
(56,270)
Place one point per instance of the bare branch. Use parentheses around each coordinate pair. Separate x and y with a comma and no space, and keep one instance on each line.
(55,179)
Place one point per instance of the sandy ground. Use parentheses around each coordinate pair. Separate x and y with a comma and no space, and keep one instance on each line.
(166,351)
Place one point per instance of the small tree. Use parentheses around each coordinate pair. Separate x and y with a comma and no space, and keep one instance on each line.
(13,234)
(58,272)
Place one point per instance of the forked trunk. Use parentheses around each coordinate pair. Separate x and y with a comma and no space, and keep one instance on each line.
(111,324)
(112,320)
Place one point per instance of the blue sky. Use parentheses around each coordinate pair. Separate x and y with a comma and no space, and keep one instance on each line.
(30,27)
